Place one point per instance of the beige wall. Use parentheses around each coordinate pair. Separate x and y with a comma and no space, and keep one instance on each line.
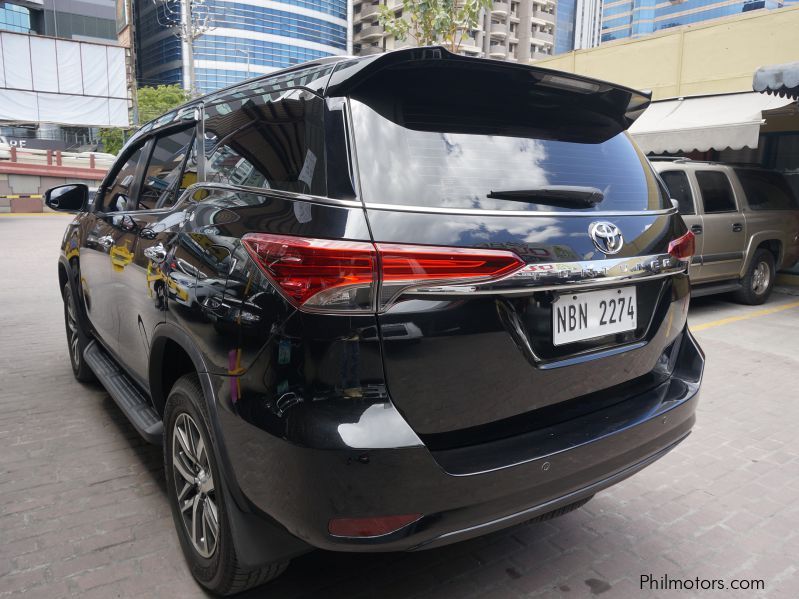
(712,58)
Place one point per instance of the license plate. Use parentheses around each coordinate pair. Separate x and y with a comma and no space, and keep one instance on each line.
(581,316)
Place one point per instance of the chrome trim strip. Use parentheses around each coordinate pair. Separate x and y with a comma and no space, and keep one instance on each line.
(587,284)
(553,276)
(480,212)
(283,195)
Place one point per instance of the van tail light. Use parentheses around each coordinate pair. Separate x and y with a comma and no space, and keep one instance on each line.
(322,274)
(683,247)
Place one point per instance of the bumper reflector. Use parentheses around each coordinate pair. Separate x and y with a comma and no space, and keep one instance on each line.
(369,527)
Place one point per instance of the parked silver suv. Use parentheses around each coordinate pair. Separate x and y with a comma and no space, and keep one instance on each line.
(746,222)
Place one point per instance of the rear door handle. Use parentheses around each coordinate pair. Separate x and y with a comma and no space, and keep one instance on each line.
(696,229)
(737,227)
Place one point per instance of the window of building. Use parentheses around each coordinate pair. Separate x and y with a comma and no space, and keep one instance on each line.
(680,190)
(716,191)
(165,178)
(14,18)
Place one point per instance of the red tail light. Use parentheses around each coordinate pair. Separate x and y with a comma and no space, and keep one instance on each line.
(317,272)
(683,247)
(425,263)
(320,273)
(369,527)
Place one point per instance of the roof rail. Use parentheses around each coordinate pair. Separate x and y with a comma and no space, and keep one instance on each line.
(669,159)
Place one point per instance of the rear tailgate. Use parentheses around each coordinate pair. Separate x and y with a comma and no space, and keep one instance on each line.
(486,354)
(467,363)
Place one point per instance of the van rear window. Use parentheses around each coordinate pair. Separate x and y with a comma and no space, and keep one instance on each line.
(766,190)
(460,169)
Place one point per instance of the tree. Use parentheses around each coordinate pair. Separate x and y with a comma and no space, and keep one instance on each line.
(153,102)
(428,21)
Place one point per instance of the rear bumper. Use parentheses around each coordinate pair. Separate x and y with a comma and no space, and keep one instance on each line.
(304,487)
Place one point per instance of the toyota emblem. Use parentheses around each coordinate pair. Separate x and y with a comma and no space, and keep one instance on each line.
(606,237)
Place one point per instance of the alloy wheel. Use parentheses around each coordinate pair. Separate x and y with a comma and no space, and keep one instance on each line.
(761,277)
(194,485)
(72,332)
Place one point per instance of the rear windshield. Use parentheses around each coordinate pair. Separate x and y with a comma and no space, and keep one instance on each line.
(766,190)
(446,169)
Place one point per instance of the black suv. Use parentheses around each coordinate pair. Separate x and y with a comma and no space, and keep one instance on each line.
(384,304)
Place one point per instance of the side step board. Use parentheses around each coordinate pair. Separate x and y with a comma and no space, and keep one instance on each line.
(127,396)
(712,288)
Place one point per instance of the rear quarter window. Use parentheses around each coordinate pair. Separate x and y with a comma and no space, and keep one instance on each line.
(766,190)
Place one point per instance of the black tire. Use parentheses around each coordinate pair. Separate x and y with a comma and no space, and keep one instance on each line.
(219,571)
(759,279)
(77,337)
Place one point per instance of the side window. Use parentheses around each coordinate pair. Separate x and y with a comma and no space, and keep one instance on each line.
(716,191)
(766,190)
(117,198)
(680,190)
(165,178)
(269,144)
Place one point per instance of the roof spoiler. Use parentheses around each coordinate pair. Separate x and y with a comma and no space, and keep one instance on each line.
(621,103)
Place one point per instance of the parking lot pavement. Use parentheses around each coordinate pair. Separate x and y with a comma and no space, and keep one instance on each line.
(83,509)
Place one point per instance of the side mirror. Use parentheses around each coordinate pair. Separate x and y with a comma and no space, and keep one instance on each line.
(67,198)
(675,204)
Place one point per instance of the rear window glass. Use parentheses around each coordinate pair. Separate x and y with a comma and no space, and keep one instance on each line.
(716,191)
(766,190)
(429,168)
(680,190)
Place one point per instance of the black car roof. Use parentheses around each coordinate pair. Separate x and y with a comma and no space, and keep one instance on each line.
(345,73)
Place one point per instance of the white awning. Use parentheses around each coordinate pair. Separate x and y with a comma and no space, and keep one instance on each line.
(704,123)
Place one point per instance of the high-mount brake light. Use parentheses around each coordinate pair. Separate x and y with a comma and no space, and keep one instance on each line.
(322,274)
(683,247)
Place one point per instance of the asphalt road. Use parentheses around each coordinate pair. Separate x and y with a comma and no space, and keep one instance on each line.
(83,510)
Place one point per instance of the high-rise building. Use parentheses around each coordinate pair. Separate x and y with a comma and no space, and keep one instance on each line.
(635,18)
(242,39)
(515,30)
(587,21)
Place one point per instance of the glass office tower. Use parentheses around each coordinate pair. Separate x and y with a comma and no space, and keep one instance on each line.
(244,39)
(633,18)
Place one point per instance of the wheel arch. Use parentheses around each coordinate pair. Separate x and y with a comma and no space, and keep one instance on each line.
(768,240)
(250,526)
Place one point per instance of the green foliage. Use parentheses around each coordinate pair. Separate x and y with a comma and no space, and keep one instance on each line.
(153,102)
(112,139)
(428,21)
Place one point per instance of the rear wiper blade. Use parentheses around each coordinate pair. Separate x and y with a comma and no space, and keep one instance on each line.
(561,196)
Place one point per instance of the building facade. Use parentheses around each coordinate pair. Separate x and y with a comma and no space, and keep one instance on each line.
(86,20)
(577,24)
(514,30)
(57,79)
(241,39)
(623,19)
